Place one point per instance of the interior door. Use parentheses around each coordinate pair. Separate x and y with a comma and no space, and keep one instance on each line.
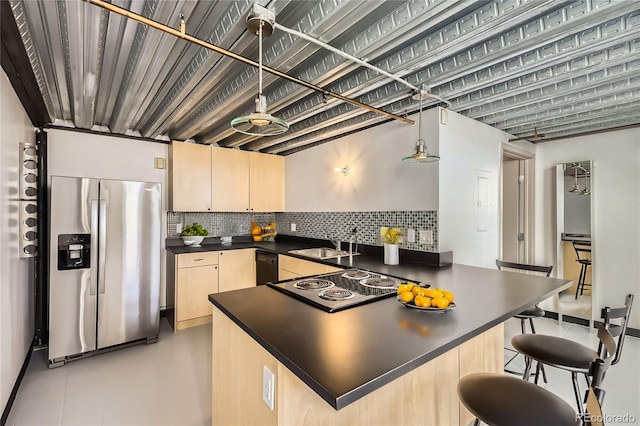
(129,261)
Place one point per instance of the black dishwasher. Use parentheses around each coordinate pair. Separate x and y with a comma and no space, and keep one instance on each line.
(266,267)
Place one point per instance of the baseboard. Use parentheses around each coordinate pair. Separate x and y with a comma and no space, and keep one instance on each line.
(633,332)
(16,386)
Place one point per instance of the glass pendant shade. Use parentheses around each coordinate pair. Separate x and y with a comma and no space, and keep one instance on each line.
(421,155)
(259,123)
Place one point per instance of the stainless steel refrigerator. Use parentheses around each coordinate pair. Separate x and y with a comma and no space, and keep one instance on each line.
(104,267)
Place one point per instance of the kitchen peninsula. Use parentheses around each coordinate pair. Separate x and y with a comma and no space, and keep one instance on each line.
(379,363)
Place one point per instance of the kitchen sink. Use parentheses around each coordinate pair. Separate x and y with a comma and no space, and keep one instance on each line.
(322,253)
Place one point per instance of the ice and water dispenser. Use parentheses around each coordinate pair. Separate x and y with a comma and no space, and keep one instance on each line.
(74,251)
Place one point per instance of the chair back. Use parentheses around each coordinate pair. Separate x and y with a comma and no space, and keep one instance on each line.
(583,250)
(595,394)
(617,330)
(524,267)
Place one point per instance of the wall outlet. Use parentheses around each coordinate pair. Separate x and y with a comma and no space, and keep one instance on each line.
(425,236)
(293,227)
(268,387)
(179,228)
(411,235)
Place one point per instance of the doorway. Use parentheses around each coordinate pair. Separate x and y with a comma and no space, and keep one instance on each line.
(517,205)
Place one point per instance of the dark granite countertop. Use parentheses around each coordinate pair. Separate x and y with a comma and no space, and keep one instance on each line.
(345,355)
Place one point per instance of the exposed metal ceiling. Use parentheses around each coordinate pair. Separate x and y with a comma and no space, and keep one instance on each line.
(558,67)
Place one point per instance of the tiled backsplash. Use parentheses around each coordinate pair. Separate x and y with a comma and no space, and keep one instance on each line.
(340,224)
(315,224)
(218,224)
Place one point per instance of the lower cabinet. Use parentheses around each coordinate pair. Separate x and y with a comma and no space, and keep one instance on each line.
(237,269)
(191,277)
(292,267)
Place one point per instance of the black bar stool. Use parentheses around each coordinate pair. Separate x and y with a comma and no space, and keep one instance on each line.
(530,313)
(583,256)
(569,355)
(501,400)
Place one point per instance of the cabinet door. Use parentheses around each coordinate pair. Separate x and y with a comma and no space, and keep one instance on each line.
(237,269)
(283,274)
(302,268)
(267,182)
(230,180)
(193,287)
(190,177)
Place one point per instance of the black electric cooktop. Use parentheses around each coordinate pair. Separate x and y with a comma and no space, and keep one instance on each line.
(341,290)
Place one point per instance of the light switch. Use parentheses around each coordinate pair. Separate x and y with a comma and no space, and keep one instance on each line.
(293,227)
(159,163)
(411,235)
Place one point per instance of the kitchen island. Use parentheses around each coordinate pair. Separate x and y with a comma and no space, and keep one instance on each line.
(379,363)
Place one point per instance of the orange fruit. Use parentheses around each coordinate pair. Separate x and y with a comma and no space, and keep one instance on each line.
(410,286)
(449,296)
(426,302)
(406,297)
(402,288)
(442,303)
(417,300)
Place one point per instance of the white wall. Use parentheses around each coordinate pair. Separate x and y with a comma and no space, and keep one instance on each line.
(378,180)
(616,212)
(96,156)
(16,279)
(468,150)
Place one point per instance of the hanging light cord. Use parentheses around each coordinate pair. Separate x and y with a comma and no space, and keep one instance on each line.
(260,56)
(420,117)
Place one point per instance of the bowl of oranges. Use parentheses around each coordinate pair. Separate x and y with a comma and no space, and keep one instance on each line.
(425,299)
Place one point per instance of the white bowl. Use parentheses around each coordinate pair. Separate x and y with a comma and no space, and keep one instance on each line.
(192,241)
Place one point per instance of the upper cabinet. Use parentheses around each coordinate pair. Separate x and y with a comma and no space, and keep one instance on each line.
(205,178)
(230,180)
(190,177)
(267,182)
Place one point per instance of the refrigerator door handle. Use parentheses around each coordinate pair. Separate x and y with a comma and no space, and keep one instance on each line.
(102,243)
(93,286)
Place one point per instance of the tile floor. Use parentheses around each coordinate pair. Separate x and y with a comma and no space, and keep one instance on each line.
(168,383)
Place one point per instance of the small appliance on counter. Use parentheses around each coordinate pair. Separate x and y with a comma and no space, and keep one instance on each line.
(342,290)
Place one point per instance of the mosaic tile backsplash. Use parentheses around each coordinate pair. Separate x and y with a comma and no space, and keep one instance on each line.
(315,224)
(218,224)
(340,224)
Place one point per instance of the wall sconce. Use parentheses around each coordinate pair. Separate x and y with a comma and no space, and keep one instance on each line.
(344,170)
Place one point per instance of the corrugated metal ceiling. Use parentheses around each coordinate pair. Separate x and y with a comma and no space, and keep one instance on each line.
(560,67)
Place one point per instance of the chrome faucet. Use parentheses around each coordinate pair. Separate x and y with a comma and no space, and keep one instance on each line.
(334,241)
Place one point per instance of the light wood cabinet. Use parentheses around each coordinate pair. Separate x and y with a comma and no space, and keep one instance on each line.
(428,393)
(189,177)
(230,180)
(266,182)
(237,269)
(293,267)
(191,277)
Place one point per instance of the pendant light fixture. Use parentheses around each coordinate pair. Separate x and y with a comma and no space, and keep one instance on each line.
(421,155)
(586,184)
(576,187)
(259,123)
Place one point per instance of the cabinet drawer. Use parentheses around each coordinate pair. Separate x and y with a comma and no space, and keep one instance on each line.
(191,260)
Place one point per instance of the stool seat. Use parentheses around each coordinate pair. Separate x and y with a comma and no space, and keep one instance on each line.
(533,312)
(556,351)
(527,404)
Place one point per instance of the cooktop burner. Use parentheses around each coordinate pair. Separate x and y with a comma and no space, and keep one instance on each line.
(313,284)
(336,293)
(379,282)
(341,290)
(356,274)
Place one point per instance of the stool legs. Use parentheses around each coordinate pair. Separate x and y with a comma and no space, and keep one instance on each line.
(576,393)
